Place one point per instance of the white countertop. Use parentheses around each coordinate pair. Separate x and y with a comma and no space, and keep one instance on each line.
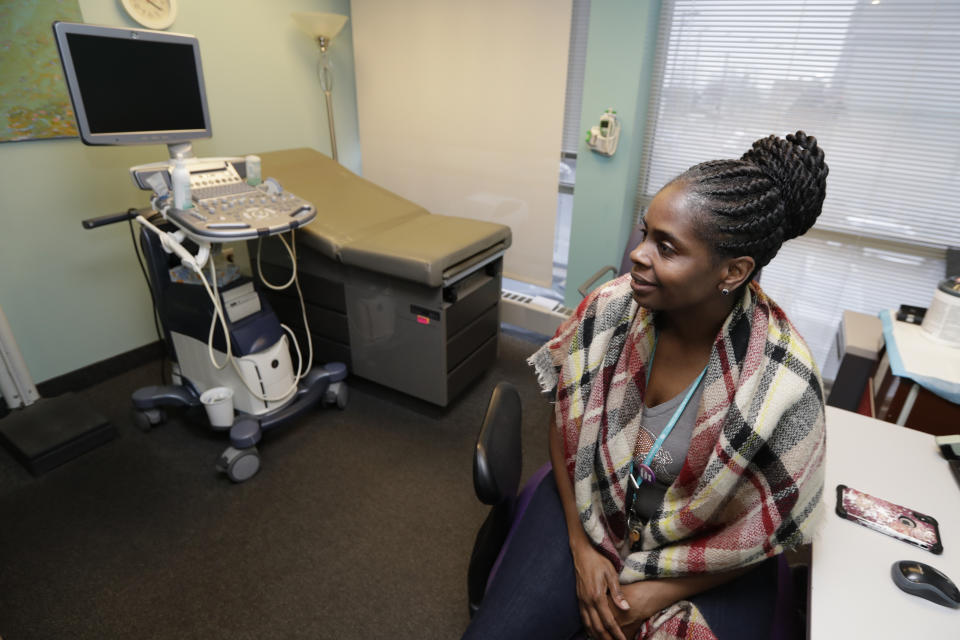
(852,594)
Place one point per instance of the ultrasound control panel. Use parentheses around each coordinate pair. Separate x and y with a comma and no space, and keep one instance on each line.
(225,207)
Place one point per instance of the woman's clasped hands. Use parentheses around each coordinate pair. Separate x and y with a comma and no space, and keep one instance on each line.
(606,611)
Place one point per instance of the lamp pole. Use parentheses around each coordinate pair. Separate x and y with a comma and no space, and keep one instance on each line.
(325,72)
(323,27)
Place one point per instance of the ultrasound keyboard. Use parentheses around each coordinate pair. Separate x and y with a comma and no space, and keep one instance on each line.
(226,208)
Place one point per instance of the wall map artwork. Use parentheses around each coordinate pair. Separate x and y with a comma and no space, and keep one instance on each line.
(33,95)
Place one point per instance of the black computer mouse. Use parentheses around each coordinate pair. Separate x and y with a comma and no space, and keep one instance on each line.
(922,580)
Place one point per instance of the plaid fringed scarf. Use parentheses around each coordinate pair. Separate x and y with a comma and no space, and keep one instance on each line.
(753,477)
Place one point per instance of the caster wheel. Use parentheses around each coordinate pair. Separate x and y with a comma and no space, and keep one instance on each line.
(239,464)
(337,394)
(146,419)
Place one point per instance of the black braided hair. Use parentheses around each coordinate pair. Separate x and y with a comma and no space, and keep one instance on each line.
(750,206)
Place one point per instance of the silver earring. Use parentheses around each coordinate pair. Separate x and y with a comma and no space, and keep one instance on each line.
(725,291)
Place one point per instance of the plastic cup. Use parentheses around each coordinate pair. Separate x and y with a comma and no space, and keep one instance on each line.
(218,401)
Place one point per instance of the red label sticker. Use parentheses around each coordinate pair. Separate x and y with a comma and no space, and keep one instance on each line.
(423,319)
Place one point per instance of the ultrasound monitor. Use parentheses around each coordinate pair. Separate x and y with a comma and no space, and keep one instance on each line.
(131,86)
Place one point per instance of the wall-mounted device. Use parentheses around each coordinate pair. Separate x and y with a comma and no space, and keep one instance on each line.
(603,137)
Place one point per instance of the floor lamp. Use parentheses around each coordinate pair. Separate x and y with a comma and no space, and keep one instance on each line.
(323,27)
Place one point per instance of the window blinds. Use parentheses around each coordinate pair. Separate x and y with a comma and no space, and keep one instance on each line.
(576,66)
(877,83)
(815,277)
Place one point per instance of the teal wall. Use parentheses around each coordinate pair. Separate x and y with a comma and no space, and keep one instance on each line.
(619,71)
(75,297)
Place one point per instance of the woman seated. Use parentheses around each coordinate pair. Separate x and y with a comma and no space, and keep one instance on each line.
(688,438)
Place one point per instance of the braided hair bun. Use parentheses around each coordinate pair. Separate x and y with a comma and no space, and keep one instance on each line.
(796,166)
(773,193)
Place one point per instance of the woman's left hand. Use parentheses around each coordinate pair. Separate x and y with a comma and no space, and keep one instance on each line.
(644,599)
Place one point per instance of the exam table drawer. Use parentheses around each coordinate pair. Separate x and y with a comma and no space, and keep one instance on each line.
(460,346)
(479,291)
(468,370)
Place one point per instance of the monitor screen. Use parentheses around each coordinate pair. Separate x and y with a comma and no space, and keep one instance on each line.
(131,86)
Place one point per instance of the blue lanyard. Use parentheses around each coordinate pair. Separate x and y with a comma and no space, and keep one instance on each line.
(670,425)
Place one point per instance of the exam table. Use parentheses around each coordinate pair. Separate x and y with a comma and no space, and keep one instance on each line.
(406,298)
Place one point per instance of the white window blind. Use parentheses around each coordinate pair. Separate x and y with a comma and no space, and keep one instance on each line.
(815,277)
(576,66)
(878,84)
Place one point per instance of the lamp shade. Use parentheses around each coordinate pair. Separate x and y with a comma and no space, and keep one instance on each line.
(316,24)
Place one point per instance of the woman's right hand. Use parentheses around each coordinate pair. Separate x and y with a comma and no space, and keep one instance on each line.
(596,578)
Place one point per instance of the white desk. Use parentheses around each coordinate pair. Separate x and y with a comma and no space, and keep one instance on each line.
(851,593)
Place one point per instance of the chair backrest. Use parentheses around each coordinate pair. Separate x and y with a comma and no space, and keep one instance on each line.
(498,459)
(497,463)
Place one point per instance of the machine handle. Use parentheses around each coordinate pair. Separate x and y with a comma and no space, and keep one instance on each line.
(110,218)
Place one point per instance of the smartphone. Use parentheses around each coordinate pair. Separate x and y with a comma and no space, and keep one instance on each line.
(891,519)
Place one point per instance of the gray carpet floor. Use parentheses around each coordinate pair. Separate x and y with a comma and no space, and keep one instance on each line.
(359,524)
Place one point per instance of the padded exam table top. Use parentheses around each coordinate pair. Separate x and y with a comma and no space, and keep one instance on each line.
(363,225)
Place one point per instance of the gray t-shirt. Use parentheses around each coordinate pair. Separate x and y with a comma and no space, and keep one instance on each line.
(669,459)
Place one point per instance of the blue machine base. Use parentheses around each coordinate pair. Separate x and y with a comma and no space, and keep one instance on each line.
(247,429)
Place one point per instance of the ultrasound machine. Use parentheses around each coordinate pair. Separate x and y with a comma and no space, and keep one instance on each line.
(131,86)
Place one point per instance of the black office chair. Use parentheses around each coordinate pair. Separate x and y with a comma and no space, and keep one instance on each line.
(497,462)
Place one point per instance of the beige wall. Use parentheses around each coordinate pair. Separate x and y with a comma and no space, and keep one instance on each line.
(469,120)
(74,297)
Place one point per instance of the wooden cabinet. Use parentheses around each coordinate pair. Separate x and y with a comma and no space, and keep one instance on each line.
(902,401)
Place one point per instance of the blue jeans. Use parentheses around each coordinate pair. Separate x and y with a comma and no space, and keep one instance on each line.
(534,593)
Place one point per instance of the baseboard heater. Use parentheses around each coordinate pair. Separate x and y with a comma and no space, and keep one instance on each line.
(532,313)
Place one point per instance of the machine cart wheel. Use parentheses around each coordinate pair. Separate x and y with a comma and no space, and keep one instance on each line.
(146,419)
(239,464)
(337,394)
